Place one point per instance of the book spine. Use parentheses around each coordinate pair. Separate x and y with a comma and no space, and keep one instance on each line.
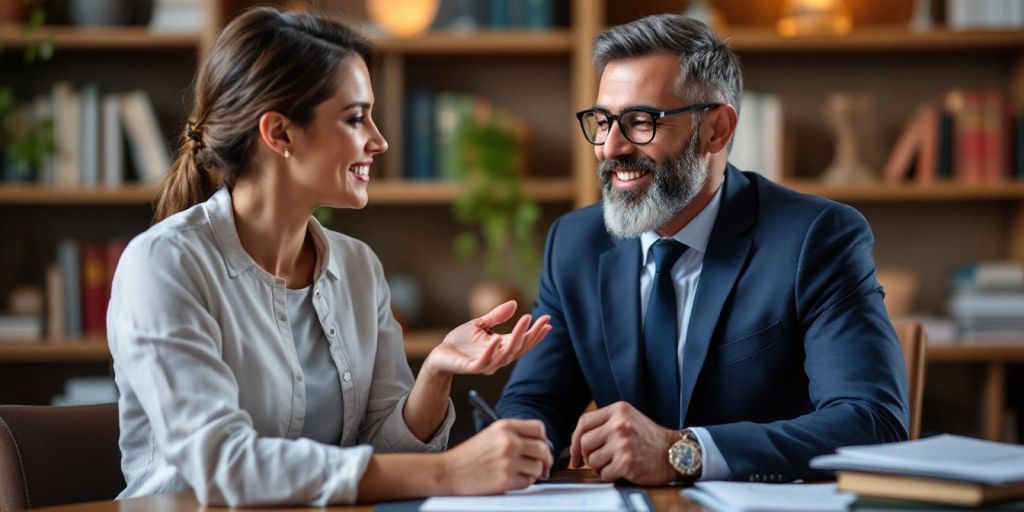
(94,263)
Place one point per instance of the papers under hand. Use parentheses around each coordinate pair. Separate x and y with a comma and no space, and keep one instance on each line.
(541,498)
(744,497)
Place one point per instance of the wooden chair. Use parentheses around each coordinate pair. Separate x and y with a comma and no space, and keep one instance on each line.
(58,455)
(914,342)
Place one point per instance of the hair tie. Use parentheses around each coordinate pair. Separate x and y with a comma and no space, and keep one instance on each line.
(192,134)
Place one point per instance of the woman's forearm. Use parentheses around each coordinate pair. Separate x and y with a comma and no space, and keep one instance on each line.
(428,402)
(397,476)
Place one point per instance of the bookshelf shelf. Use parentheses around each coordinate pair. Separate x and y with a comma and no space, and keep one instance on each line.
(882,39)
(889,193)
(977,352)
(94,350)
(441,192)
(107,38)
(552,190)
(43,194)
(53,351)
(481,42)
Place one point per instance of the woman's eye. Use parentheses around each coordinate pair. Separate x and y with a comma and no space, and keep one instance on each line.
(357,121)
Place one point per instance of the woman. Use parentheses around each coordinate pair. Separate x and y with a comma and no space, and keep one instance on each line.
(255,352)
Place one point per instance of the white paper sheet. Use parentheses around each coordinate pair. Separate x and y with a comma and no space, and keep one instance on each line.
(744,497)
(536,498)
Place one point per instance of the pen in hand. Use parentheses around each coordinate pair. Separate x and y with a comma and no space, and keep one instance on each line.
(486,414)
(484,411)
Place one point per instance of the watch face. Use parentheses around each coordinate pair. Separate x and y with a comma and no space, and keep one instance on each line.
(684,457)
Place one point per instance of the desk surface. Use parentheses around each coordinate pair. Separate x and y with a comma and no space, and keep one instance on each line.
(664,498)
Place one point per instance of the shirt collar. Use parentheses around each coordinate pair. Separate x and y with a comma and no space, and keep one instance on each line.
(694,234)
(221,216)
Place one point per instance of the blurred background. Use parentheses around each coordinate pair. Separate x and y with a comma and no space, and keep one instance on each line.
(911,111)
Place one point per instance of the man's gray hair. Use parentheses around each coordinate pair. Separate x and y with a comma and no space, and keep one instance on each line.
(709,70)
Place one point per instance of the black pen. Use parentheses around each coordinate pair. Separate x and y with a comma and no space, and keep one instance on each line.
(487,415)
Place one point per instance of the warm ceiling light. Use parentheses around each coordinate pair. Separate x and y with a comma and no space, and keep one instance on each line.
(814,17)
(403,18)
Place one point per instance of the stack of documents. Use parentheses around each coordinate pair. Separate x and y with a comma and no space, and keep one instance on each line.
(744,497)
(943,469)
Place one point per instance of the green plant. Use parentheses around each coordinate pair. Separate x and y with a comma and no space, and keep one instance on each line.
(492,201)
(26,142)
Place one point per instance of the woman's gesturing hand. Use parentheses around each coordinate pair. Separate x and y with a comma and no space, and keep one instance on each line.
(472,348)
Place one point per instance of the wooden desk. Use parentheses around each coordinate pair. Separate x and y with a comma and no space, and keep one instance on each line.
(995,357)
(665,499)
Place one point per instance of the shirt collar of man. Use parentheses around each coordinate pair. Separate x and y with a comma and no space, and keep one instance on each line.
(694,234)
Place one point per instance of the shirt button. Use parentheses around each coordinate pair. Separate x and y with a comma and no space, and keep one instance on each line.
(316,293)
(347,377)
(298,378)
(332,331)
(281,317)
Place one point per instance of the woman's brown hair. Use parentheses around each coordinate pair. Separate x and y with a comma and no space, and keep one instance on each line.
(266,59)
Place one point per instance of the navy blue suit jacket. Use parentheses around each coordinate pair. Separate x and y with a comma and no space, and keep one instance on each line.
(789,353)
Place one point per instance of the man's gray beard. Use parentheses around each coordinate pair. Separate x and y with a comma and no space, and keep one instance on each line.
(628,214)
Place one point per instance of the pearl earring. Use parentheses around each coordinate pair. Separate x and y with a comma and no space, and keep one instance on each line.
(287,153)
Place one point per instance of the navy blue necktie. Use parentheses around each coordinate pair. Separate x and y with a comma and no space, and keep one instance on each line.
(661,335)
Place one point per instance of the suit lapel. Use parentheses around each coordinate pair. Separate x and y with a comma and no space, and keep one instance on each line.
(726,256)
(619,275)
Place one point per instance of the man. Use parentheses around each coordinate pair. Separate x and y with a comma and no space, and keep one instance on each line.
(699,296)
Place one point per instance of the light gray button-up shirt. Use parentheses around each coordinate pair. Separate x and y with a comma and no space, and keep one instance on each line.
(212,392)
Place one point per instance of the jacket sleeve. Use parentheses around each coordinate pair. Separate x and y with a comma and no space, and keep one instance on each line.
(166,348)
(547,382)
(854,365)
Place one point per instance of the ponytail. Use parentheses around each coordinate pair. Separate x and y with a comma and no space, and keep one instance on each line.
(189,182)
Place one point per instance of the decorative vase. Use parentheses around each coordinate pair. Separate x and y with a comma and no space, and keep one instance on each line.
(487,295)
(847,114)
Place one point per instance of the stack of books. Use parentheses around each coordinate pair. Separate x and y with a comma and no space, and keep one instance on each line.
(944,469)
(988,302)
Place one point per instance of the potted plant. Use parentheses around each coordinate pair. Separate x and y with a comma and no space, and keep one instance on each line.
(500,216)
(25,142)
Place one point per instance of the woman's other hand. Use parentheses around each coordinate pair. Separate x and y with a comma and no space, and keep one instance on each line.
(472,348)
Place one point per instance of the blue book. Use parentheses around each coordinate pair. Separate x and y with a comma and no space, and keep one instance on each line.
(419,136)
(69,263)
(538,14)
(499,10)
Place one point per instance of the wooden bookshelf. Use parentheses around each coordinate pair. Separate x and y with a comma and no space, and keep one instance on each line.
(875,39)
(105,38)
(480,42)
(381,192)
(896,193)
(995,356)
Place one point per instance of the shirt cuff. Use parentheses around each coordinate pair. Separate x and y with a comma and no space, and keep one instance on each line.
(400,439)
(714,465)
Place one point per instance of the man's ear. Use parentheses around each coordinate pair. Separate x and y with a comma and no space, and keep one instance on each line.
(719,125)
(274,131)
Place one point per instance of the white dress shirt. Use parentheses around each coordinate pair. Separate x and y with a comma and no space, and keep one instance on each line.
(212,392)
(686,277)
(325,407)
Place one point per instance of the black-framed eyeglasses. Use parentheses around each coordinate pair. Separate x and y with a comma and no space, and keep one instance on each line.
(637,125)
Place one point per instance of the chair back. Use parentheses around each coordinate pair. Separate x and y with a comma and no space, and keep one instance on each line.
(58,455)
(914,342)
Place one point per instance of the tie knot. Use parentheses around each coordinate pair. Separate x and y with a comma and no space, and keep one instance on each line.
(666,252)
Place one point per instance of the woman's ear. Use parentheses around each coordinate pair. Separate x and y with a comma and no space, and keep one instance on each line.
(720,124)
(274,132)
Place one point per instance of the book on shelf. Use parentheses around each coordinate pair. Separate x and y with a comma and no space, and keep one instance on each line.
(985,14)
(78,288)
(501,15)
(943,469)
(987,302)
(758,142)
(20,328)
(972,138)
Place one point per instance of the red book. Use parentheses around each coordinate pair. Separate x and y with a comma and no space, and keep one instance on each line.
(114,248)
(94,289)
(928,159)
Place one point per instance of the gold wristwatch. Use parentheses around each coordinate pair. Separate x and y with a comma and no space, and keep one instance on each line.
(685,456)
